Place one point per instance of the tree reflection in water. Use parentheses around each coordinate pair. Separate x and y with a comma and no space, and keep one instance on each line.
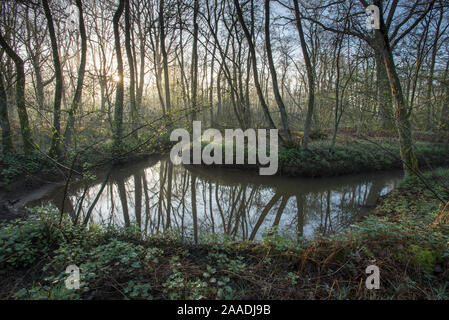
(158,197)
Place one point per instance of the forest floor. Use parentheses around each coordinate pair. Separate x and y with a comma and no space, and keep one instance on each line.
(406,236)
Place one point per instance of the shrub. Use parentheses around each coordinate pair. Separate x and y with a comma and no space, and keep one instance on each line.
(24,242)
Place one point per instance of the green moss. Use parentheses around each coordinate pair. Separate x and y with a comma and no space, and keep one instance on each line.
(426,258)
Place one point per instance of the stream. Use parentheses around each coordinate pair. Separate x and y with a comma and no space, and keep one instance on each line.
(196,202)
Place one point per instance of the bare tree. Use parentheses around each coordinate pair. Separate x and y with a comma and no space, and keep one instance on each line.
(252,49)
(56,143)
(194,68)
(7,146)
(80,83)
(274,78)
(402,111)
(310,76)
(118,112)
(164,54)
(430,78)
(129,54)
(20,96)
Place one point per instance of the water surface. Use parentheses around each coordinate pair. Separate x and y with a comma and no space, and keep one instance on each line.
(159,196)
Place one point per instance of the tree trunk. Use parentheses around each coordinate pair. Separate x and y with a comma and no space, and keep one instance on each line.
(20,97)
(7,146)
(264,105)
(132,85)
(310,77)
(337,57)
(428,100)
(402,112)
(39,82)
(180,57)
(34,52)
(384,94)
(444,124)
(55,148)
(80,82)
(194,70)
(274,79)
(211,89)
(219,96)
(142,68)
(164,56)
(118,112)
